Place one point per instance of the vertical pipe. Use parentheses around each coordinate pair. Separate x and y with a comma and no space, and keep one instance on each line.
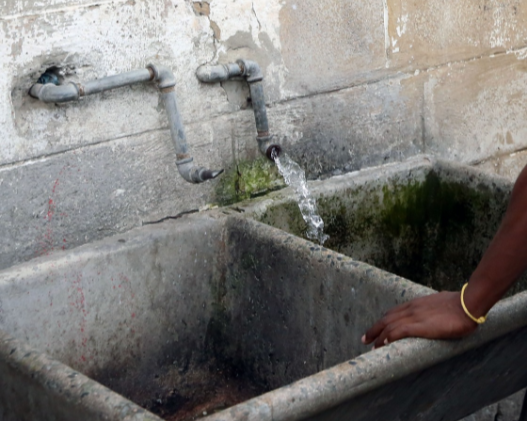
(177,131)
(260,112)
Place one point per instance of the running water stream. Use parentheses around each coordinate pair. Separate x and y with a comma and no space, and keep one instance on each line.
(295,177)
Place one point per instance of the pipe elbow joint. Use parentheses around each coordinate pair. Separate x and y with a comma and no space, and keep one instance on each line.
(163,76)
(250,70)
(55,93)
(194,174)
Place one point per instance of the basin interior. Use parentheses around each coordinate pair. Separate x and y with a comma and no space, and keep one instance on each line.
(430,224)
(191,316)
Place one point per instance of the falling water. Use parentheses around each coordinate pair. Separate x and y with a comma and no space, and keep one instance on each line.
(295,177)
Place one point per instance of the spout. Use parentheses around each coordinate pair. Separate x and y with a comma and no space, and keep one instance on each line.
(269,147)
(194,174)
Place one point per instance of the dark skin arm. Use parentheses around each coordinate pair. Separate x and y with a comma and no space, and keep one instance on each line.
(440,315)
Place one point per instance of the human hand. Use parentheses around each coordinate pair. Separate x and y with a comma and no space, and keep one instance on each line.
(436,316)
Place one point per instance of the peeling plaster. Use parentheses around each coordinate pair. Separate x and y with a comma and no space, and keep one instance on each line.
(401,25)
(202,8)
(521,54)
(504,25)
(248,16)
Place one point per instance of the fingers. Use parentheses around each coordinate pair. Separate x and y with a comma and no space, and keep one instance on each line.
(391,317)
(403,328)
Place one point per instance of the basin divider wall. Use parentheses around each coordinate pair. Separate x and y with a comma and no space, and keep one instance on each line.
(33,386)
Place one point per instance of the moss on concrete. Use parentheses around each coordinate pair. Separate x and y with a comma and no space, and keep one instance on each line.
(430,228)
(247,179)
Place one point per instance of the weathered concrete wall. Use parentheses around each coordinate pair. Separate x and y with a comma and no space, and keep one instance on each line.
(348,84)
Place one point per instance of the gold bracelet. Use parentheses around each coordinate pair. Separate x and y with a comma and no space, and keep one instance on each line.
(479,320)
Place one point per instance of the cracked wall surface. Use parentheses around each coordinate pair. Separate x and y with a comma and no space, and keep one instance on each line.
(347,84)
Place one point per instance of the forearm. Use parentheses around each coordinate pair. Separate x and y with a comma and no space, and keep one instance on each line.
(441,315)
(506,258)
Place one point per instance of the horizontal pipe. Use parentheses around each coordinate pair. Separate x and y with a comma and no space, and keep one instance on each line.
(218,72)
(117,81)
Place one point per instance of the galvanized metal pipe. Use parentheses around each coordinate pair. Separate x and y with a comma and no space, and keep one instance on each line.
(252,73)
(166,82)
(219,73)
(117,81)
(55,94)
(260,112)
(184,161)
(175,124)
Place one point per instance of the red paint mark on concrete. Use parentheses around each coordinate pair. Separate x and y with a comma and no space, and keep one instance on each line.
(129,295)
(51,210)
(77,303)
(47,241)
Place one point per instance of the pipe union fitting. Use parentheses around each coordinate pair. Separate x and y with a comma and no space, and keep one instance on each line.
(251,70)
(163,76)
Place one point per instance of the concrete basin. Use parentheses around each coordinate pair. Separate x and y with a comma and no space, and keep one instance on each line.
(217,315)
(426,221)
(183,318)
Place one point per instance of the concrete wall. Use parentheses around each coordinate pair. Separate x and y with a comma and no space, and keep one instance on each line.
(349,84)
